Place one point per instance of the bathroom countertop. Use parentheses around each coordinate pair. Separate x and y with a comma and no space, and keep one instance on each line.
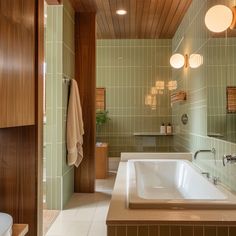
(119,214)
(20,229)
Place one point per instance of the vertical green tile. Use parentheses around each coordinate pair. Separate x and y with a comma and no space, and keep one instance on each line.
(60,62)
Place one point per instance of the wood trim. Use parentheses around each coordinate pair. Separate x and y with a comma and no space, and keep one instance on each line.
(39,64)
(53,2)
(85,69)
(20,229)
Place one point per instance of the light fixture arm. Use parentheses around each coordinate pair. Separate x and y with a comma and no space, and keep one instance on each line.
(233,24)
(186,61)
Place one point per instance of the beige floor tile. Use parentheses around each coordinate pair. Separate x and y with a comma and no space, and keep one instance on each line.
(85,214)
(98,229)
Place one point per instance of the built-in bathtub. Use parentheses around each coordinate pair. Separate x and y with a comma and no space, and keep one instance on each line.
(173,184)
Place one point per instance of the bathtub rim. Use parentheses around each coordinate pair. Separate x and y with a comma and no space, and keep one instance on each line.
(133,201)
(119,214)
(126,156)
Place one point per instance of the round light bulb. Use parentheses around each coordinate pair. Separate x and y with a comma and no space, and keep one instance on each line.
(195,60)
(121,12)
(218,18)
(177,61)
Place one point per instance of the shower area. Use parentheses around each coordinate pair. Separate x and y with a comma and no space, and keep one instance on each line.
(58,177)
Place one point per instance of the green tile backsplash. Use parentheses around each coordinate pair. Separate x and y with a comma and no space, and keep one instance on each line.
(60,64)
(202,92)
(128,69)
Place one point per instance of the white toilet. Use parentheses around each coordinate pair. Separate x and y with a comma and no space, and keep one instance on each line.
(6,222)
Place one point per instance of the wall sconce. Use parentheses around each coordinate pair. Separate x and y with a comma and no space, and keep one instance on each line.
(151,101)
(154,103)
(195,60)
(219,18)
(148,100)
(172,85)
(177,60)
(154,91)
(160,86)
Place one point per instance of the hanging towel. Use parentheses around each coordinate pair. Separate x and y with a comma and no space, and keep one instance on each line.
(75,127)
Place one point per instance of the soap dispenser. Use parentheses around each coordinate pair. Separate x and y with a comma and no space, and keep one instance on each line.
(169,129)
(163,128)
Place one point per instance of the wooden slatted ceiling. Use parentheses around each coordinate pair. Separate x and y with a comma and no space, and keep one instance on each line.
(145,18)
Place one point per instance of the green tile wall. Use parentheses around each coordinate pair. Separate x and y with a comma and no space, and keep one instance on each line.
(68,72)
(59,52)
(128,69)
(200,85)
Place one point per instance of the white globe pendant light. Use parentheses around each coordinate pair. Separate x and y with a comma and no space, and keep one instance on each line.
(218,18)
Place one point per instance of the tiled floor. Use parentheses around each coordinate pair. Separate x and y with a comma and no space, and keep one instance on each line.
(85,214)
(49,216)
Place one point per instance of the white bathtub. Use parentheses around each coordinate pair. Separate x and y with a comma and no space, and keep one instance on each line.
(174,184)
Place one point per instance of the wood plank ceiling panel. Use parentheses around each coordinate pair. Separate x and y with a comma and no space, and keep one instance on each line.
(151,16)
(144,19)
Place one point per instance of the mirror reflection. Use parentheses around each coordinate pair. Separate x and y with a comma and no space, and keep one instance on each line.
(221,82)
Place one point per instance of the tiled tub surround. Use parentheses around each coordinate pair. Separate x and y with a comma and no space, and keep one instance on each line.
(163,222)
(128,69)
(197,83)
(60,64)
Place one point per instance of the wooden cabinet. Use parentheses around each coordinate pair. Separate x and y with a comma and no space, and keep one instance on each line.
(17,63)
(101,161)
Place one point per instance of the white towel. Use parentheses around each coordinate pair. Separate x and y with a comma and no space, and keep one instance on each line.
(75,127)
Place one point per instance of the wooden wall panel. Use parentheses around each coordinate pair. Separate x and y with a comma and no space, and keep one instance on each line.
(17,58)
(21,147)
(18,175)
(85,49)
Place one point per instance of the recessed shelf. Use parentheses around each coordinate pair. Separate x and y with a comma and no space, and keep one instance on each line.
(150,134)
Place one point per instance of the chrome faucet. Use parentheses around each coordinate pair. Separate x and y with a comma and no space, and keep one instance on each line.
(215,180)
(229,159)
(207,174)
(197,152)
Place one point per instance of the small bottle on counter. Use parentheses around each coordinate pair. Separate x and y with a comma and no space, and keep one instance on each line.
(169,129)
(163,128)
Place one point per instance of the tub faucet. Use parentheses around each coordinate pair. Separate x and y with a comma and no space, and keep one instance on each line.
(207,174)
(197,152)
(215,180)
(229,159)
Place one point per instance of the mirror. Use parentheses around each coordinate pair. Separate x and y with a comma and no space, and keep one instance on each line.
(221,88)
